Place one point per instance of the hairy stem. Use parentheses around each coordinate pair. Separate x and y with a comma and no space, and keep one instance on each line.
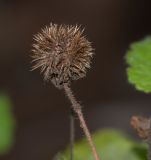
(72,136)
(78,111)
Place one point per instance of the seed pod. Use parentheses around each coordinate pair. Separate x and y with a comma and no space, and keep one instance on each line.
(62,53)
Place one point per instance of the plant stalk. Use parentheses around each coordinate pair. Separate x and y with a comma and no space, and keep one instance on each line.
(72,133)
(77,108)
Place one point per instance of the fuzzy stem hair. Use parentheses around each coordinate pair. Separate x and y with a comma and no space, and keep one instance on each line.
(77,108)
(72,133)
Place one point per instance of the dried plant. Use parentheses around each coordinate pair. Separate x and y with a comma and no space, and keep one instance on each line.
(64,55)
(72,133)
(143,127)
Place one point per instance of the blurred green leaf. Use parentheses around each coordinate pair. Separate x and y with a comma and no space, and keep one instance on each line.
(111,145)
(7,124)
(139,60)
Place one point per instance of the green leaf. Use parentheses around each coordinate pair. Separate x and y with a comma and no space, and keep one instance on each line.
(7,125)
(139,65)
(111,145)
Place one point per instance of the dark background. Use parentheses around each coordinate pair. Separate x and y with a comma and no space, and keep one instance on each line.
(42,111)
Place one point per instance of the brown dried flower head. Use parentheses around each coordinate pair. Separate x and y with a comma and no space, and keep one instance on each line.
(141,125)
(62,53)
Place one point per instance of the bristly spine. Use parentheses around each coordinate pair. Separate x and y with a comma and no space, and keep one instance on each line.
(62,52)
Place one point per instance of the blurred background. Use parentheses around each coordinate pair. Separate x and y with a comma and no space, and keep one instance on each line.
(40,110)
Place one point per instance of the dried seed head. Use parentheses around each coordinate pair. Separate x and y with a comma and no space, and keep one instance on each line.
(141,125)
(62,53)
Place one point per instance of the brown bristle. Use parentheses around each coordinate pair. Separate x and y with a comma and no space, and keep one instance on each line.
(62,53)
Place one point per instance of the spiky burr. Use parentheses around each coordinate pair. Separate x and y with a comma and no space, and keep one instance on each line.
(62,52)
